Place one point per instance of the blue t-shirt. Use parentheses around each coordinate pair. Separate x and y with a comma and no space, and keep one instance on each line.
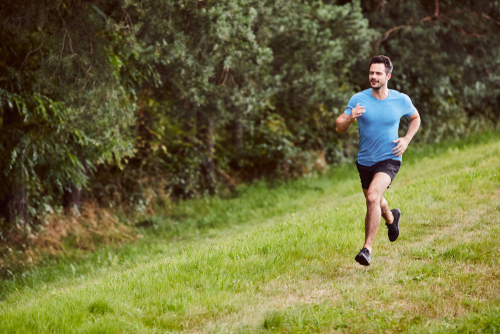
(378,126)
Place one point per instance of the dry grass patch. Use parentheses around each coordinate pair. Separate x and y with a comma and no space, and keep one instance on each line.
(71,234)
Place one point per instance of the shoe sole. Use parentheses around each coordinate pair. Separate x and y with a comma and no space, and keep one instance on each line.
(362,260)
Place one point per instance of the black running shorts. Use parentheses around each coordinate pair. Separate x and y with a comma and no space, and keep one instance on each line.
(366,173)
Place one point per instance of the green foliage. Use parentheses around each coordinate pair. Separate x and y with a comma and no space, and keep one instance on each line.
(229,61)
(62,109)
(314,46)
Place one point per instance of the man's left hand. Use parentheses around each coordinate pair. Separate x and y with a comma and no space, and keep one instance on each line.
(402,146)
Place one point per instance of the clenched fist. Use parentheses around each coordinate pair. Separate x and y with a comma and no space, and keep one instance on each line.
(356,112)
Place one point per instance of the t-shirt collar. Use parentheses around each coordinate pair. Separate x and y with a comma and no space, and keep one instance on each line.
(371,93)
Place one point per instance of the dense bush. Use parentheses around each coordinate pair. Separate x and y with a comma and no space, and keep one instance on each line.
(62,108)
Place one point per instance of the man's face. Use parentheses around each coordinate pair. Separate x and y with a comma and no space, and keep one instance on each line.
(378,78)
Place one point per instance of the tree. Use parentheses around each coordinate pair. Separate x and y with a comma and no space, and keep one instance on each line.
(208,60)
(62,107)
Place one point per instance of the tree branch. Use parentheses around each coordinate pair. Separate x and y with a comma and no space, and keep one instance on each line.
(387,33)
(458,11)
(469,34)
(436,15)
(38,48)
(64,39)
(489,18)
(22,17)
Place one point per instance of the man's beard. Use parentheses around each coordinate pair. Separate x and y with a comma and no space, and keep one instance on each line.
(376,88)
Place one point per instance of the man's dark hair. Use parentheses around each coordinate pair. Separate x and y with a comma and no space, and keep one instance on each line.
(382,60)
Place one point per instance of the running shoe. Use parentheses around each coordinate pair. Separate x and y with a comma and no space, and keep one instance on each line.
(393,229)
(363,257)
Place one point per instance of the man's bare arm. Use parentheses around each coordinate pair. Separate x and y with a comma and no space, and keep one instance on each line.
(405,141)
(344,121)
(413,126)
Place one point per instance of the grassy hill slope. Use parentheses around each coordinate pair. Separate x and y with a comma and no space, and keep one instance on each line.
(293,271)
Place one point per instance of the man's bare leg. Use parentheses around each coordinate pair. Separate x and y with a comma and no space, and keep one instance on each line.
(374,197)
(386,212)
(384,207)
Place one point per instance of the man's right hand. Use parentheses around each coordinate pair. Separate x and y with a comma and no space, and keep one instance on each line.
(356,112)
(343,121)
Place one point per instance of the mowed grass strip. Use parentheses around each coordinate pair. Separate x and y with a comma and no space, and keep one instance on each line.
(211,219)
(199,221)
(298,275)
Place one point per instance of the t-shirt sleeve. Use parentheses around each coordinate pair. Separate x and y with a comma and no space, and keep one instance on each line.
(408,109)
(352,104)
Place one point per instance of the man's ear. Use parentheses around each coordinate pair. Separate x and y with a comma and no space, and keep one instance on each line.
(389,76)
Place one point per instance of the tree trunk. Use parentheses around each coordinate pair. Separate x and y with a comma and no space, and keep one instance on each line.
(237,130)
(145,124)
(205,128)
(145,130)
(72,197)
(17,201)
(16,198)
(187,124)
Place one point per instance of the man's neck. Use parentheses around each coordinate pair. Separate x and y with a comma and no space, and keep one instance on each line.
(381,94)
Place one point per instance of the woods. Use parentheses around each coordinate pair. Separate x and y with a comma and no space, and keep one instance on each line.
(132,102)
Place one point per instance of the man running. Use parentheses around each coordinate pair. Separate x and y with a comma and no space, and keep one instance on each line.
(379,111)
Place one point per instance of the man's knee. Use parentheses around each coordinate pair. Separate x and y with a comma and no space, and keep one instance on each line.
(373,198)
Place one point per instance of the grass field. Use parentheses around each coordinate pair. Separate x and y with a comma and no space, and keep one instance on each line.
(281,259)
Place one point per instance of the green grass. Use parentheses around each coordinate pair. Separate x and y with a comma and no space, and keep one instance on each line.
(247,265)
